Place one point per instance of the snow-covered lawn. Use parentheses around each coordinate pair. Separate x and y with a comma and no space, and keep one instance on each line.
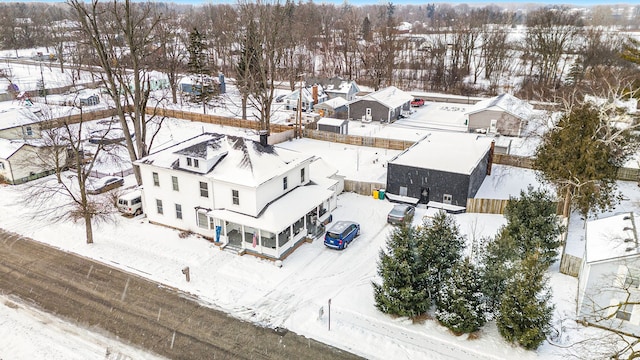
(293,296)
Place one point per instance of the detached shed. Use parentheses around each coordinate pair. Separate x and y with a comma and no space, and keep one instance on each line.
(338,126)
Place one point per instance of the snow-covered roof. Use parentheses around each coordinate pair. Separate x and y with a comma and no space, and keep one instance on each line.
(446,151)
(611,238)
(282,212)
(9,147)
(343,88)
(331,121)
(334,103)
(14,116)
(507,103)
(307,94)
(242,161)
(391,97)
(629,105)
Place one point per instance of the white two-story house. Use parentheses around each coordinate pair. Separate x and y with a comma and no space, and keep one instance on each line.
(238,192)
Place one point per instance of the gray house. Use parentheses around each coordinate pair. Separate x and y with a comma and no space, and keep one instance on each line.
(335,108)
(504,114)
(385,105)
(441,170)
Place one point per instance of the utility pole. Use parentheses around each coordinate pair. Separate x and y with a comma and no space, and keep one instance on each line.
(299,115)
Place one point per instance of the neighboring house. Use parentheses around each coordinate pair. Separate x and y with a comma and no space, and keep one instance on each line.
(335,108)
(21,161)
(20,123)
(610,274)
(311,96)
(338,126)
(242,194)
(338,88)
(192,84)
(385,105)
(88,100)
(504,114)
(442,170)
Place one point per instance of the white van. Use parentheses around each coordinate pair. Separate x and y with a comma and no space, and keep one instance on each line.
(131,203)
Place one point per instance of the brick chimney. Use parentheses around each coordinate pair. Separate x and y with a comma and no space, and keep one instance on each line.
(491,150)
(263,137)
(315,94)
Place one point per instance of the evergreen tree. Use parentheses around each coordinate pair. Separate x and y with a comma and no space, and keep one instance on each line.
(460,305)
(366,29)
(439,247)
(582,154)
(533,224)
(400,294)
(197,65)
(524,312)
(496,268)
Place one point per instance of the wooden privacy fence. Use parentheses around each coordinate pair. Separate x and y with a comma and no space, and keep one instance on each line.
(358,140)
(486,206)
(362,187)
(215,119)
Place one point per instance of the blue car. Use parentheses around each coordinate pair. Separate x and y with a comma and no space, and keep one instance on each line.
(341,234)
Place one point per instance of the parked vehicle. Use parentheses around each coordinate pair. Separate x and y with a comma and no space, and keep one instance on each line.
(341,234)
(104,184)
(417,102)
(131,203)
(401,213)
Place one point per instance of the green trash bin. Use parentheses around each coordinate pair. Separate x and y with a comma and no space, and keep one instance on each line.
(381,194)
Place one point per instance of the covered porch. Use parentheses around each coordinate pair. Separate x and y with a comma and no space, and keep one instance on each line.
(281,225)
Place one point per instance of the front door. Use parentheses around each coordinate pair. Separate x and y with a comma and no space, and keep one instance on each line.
(424,195)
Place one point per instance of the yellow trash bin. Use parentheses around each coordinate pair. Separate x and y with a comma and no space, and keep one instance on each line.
(375,194)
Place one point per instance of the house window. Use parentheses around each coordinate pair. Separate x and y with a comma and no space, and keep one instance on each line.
(202,220)
(29,131)
(624,312)
(632,280)
(1,166)
(493,126)
(446,199)
(178,211)
(196,163)
(204,189)
(403,191)
(156,179)
(159,206)
(302,175)
(189,162)
(235,196)
(174,181)
(284,183)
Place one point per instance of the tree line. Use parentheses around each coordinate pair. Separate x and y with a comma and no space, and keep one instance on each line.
(434,47)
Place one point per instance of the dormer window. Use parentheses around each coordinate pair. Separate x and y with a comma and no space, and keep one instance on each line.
(193,162)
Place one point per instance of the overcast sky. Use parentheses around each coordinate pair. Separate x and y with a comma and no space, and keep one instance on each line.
(413,2)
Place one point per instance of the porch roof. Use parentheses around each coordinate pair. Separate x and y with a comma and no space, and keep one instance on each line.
(282,212)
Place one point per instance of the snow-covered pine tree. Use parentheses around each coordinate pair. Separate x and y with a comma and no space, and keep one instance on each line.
(440,246)
(533,224)
(400,294)
(524,312)
(460,305)
(496,267)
